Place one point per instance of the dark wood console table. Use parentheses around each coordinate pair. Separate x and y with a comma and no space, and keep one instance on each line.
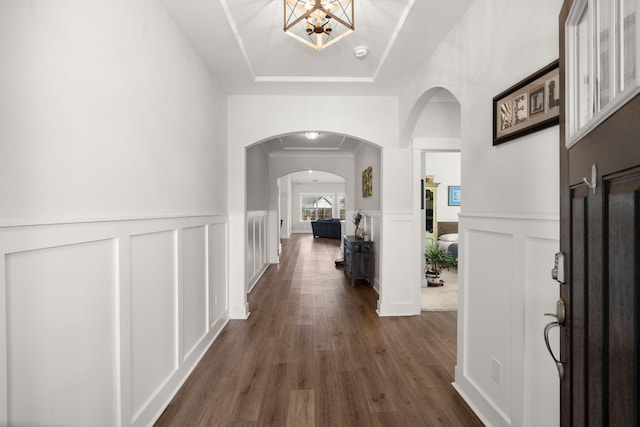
(358,259)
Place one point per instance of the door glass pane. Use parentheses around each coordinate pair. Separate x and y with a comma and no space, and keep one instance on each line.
(629,52)
(583,63)
(604,79)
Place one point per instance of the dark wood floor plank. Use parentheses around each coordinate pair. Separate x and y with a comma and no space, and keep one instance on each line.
(353,404)
(274,408)
(327,411)
(218,408)
(301,409)
(254,382)
(302,374)
(315,353)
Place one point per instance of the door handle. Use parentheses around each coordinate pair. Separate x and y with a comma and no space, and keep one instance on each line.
(560,316)
(560,313)
(559,364)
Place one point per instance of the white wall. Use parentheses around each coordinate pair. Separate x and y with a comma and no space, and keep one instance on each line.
(284,188)
(439,120)
(509,215)
(113,226)
(446,168)
(106,111)
(257,179)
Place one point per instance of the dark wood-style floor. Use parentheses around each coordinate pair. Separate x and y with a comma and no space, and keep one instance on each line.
(315,353)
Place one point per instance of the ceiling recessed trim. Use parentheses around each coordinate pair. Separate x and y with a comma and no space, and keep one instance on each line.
(394,36)
(313,148)
(312,154)
(236,34)
(313,79)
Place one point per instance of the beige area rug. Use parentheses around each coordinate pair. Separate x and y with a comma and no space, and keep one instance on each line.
(441,298)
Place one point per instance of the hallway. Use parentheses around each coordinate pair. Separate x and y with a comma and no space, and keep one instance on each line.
(315,353)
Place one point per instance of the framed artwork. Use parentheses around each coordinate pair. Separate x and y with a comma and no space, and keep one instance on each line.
(528,106)
(454,195)
(367,185)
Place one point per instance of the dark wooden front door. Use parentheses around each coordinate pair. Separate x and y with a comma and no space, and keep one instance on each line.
(600,236)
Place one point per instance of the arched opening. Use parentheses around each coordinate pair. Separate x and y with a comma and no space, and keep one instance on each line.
(436,137)
(280,189)
(309,195)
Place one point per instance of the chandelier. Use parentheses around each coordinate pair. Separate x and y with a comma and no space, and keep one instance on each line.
(318,23)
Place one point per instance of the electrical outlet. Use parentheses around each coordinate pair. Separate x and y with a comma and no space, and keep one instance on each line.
(215,300)
(496,370)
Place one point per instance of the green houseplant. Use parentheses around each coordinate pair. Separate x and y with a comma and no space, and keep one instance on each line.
(437,260)
(357,217)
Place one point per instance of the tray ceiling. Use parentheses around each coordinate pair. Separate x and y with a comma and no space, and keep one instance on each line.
(244,45)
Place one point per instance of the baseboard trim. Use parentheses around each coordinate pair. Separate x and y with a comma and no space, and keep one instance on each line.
(398,309)
(484,408)
(256,277)
(239,312)
(189,366)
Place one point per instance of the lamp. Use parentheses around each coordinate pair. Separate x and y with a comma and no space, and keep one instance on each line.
(311,135)
(310,21)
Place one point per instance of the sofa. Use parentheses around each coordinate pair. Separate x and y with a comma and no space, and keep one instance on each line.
(329,228)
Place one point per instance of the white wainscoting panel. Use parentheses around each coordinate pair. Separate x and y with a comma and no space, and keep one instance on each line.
(504,288)
(61,336)
(488,313)
(194,287)
(250,250)
(541,292)
(257,247)
(399,286)
(218,259)
(102,321)
(154,344)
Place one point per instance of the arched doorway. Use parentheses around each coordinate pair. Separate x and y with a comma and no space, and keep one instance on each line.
(309,195)
(269,165)
(436,139)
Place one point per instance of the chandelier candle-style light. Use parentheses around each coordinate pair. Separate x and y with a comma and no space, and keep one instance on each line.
(318,23)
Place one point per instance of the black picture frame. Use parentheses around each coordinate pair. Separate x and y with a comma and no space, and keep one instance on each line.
(528,106)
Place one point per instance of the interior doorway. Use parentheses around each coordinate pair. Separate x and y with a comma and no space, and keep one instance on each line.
(442,172)
(436,134)
(292,180)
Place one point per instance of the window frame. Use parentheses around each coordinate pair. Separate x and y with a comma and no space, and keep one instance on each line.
(585,111)
(337,210)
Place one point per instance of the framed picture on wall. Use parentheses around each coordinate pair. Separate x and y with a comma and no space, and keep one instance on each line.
(528,106)
(367,184)
(454,195)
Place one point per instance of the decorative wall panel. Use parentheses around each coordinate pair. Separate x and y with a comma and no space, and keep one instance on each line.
(256,248)
(101,322)
(490,285)
(217,271)
(504,289)
(61,336)
(153,314)
(194,287)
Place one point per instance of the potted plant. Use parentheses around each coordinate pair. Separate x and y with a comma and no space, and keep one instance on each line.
(437,260)
(357,217)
